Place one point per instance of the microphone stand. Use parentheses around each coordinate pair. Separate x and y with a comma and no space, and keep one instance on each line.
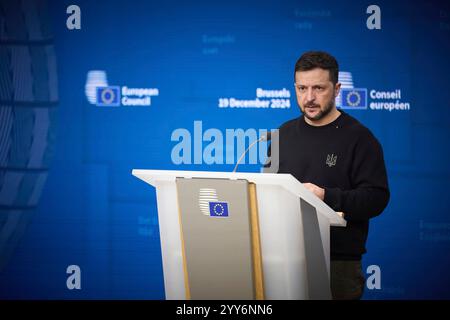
(264,137)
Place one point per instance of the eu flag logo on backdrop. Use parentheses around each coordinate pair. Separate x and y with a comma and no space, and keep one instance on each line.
(218,209)
(354,98)
(108,96)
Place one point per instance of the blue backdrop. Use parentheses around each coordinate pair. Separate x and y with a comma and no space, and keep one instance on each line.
(67,195)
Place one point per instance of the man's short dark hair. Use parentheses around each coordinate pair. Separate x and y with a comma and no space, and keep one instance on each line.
(318,59)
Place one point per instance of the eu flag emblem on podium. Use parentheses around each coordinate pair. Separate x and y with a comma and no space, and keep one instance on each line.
(218,209)
(108,96)
(354,98)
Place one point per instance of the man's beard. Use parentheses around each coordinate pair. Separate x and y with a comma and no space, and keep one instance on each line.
(321,113)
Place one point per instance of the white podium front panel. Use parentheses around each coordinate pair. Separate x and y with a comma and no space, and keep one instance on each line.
(285,267)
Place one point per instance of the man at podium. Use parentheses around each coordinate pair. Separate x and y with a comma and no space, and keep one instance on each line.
(339,160)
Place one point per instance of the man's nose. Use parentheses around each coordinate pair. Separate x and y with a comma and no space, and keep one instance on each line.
(310,96)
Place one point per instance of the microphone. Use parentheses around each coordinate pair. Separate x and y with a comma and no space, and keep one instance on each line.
(266,137)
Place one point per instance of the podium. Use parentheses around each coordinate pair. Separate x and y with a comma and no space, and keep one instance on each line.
(241,235)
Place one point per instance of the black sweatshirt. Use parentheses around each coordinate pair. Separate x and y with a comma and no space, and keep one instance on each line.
(345,159)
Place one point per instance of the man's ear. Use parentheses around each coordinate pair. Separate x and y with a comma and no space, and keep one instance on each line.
(337,88)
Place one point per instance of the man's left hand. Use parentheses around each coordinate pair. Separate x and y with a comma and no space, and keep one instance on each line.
(318,191)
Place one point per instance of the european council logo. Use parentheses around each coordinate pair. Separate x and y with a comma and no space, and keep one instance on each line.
(218,209)
(353,98)
(108,96)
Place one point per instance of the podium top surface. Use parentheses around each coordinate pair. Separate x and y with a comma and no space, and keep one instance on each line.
(284,180)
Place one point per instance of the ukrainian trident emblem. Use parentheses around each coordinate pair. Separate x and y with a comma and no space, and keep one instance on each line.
(331,160)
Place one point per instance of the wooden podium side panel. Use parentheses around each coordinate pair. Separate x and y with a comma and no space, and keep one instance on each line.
(215,223)
(256,243)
